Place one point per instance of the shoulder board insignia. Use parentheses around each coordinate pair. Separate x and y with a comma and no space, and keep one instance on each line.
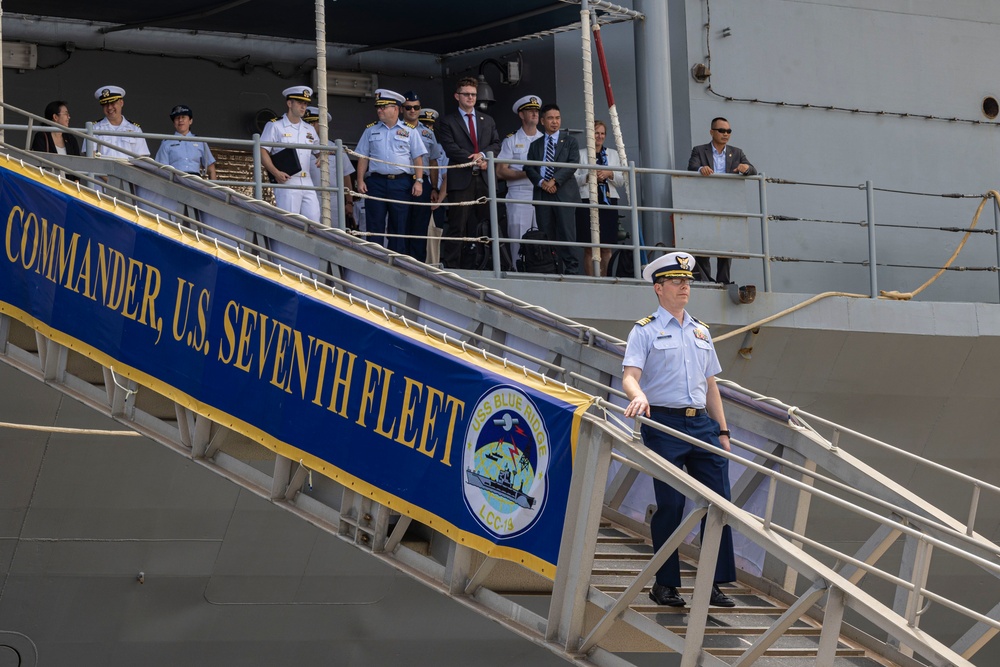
(410,125)
(646,320)
(136,124)
(371,124)
(697,321)
(274,120)
(510,135)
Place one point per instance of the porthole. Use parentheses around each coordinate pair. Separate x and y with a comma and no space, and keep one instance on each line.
(991,108)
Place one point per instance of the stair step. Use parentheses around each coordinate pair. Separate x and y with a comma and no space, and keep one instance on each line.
(787,653)
(798,631)
(619,539)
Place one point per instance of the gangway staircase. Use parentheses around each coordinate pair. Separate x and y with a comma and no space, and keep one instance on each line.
(810,603)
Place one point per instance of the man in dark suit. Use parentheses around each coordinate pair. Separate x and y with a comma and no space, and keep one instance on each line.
(718,157)
(466,135)
(556,184)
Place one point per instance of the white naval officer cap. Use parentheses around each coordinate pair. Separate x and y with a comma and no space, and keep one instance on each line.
(428,115)
(109,94)
(527,102)
(671,265)
(300,93)
(312,115)
(384,97)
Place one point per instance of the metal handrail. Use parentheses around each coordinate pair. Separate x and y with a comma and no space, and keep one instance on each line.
(638,457)
(977,485)
(633,211)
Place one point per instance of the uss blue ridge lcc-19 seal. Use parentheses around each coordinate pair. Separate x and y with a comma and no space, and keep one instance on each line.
(505,461)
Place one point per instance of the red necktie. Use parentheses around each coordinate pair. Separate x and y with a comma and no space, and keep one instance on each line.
(472,133)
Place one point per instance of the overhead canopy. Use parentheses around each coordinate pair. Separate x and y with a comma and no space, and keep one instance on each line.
(437,27)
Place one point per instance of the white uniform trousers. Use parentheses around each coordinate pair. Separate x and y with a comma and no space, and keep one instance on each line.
(520,217)
(306,204)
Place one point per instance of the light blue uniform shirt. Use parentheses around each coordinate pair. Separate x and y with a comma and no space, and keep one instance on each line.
(187,156)
(718,160)
(399,144)
(434,149)
(676,359)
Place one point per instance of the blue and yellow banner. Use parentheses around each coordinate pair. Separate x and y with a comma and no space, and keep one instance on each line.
(477,451)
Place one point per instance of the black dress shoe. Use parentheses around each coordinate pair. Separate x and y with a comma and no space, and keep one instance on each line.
(666,596)
(720,599)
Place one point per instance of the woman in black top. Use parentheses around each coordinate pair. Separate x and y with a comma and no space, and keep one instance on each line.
(56,142)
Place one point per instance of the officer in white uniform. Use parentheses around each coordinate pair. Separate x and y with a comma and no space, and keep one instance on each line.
(291,129)
(520,217)
(312,117)
(112,100)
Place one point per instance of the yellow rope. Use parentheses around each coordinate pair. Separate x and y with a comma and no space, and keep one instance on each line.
(975,219)
(891,295)
(786,311)
(60,429)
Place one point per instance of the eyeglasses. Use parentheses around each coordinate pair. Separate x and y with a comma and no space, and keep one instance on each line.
(721,131)
(468,94)
(411,107)
(676,282)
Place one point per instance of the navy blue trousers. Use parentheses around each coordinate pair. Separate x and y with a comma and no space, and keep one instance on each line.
(708,468)
(377,211)
(416,224)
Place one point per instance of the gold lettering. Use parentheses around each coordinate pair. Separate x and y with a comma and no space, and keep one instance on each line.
(149,294)
(130,280)
(431,409)
(321,347)
(279,354)
(300,361)
(29,225)
(246,330)
(367,394)
(457,409)
(84,275)
(264,342)
(230,312)
(342,381)
(184,289)
(50,241)
(406,417)
(66,264)
(19,212)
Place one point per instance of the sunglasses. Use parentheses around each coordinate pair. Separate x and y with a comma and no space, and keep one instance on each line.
(410,107)
(726,131)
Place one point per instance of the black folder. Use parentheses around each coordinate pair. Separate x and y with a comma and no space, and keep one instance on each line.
(286,160)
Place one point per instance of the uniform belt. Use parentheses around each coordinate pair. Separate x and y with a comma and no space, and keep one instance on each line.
(678,412)
(390,177)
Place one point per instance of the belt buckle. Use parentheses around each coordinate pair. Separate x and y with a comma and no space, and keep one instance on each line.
(690,412)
